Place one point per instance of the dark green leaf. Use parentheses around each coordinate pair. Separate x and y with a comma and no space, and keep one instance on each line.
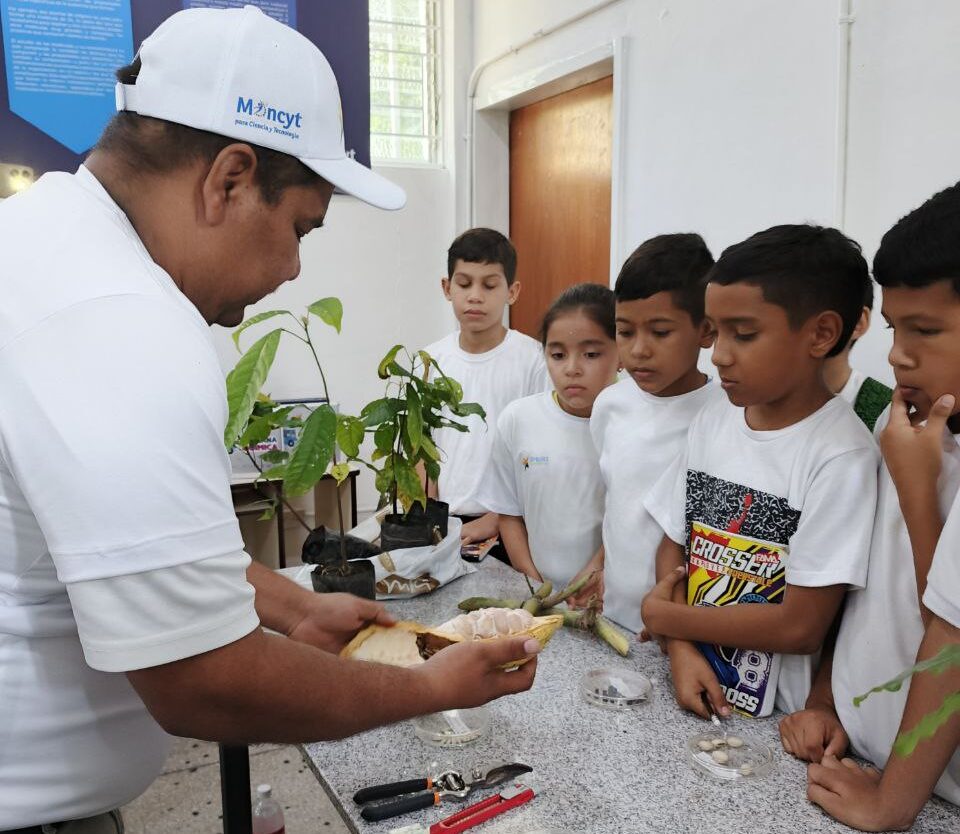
(328,310)
(384,436)
(384,480)
(275,456)
(382,369)
(432,469)
(350,433)
(409,487)
(381,411)
(414,418)
(466,409)
(255,320)
(245,381)
(396,369)
(429,450)
(313,452)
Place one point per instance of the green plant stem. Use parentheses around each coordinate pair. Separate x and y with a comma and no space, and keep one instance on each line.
(476,603)
(612,635)
(569,591)
(323,378)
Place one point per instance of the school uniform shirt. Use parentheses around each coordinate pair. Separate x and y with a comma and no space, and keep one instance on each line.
(513,369)
(544,467)
(803,496)
(637,437)
(119,546)
(882,630)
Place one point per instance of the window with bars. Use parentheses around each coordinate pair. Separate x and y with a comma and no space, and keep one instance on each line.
(405,81)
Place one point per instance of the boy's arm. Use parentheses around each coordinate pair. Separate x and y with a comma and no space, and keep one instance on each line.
(913,455)
(798,625)
(865,800)
(480,529)
(514,534)
(816,731)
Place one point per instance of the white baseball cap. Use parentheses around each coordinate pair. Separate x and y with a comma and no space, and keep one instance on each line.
(242,74)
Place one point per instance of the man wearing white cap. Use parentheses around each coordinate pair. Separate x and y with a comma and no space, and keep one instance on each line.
(127,605)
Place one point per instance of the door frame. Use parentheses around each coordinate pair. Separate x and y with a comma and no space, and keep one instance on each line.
(491,191)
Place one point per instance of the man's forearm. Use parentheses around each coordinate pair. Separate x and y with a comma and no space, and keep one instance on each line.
(279,601)
(908,781)
(269,688)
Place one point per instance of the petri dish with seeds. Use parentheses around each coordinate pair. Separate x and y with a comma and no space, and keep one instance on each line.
(452,727)
(729,758)
(616,689)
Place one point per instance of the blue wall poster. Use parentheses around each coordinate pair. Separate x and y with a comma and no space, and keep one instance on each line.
(59,56)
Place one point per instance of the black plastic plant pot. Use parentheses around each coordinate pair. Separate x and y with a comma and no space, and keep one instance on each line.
(438,514)
(322,547)
(398,531)
(357,578)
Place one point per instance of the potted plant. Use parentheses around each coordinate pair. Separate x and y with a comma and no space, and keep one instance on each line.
(253,416)
(419,399)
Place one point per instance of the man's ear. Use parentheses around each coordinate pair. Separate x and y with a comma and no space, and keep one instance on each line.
(232,174)
(825,329)
(445,286)
(513,293)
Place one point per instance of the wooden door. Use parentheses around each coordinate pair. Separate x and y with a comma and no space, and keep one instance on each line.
(560,156)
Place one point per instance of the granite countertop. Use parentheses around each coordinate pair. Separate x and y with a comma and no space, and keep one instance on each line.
(597,771)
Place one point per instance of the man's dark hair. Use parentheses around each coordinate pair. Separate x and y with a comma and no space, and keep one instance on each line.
(802,268)
(483,246)
(677,264)
(923,248)
(157,146)
(595,301)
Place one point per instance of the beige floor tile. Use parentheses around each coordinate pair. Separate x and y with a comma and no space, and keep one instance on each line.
(186,799)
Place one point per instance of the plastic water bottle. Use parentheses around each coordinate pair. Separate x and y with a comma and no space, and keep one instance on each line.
(267,813)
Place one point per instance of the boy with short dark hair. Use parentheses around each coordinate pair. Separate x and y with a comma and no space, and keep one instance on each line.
(868,396)
(640,424)
(909,610)
(773,501)
(494,365)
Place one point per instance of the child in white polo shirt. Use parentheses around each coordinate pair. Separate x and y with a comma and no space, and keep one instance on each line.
(886,627)
(640,424)
(495,366)
(544,479)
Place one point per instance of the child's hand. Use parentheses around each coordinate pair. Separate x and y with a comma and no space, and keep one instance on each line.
(913,452)
(659,600)
(811,734)
(590,594)
(852,795)
(693,679)
(480,529)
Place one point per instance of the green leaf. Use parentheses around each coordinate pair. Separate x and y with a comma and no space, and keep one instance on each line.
(433,470)
(340,471)
(414,418)
(381,411)
(384,479)
(255,320)
(429,449)
(384,436)
(313,452)
(409,487)
(275,456)
(907,742)
(427,360)
(396,369)
(328,310)
(948,657)
(383,368)
(268,514)
(350,432)
(245,381)
(466,409)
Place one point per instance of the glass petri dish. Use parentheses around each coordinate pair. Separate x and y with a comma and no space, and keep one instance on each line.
(738,758)
(452,727)
(616,689)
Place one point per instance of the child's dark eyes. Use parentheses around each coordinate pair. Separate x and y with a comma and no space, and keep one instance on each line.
(556,356)
(624,334)
(661,334)
(592,354)
(744,337)
(928,331)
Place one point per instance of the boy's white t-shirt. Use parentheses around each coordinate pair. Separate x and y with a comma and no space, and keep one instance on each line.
(809,489)
(882,630)
(637,436)
(852,386)
(119,545)
(544,467)
(513,369)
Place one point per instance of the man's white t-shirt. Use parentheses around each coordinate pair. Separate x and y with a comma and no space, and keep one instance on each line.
(544,467)
(882,630)
(809,490)
(119,547)
(637,436)
(513,369)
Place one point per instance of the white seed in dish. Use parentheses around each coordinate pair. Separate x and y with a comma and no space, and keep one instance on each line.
(746,770)
(735,741)
(720,756)
(705,745)
(719,742)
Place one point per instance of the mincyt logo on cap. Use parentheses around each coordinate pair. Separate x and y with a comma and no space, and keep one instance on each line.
(260,113)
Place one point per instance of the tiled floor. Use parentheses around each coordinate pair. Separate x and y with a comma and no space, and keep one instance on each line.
(186,798)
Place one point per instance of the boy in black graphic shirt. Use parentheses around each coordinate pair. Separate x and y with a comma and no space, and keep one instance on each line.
(768,514)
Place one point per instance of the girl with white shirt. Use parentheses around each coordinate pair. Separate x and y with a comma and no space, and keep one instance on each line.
(544,477)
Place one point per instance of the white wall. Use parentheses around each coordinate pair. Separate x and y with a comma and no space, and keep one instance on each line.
(385,267)
(730,121)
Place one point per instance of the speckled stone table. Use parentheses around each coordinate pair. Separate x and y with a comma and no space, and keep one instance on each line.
(598,772)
